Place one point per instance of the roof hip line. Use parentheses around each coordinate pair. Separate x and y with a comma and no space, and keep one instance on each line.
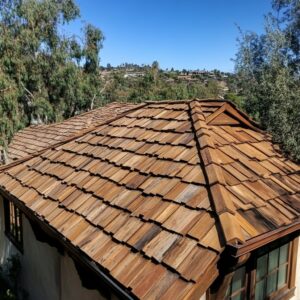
(219,196)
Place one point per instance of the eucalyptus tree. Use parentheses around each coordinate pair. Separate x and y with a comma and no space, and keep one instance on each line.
(45,75)
(267,68)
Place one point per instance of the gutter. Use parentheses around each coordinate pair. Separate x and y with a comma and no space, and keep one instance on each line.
(74,251)
(263,239)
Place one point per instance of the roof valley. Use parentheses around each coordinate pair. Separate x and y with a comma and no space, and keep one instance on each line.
(219,196)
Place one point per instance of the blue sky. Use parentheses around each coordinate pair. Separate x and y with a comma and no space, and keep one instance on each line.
(188,34)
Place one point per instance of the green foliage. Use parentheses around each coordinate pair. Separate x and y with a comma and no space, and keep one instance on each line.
(154,84)
(235,98)
(44,75)
(268,67)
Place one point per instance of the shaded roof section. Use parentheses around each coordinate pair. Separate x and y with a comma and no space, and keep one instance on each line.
(154,196)
(35,138)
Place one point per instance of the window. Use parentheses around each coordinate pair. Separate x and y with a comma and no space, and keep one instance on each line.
(237,288)
(268,274)
(271,272)
(13,224)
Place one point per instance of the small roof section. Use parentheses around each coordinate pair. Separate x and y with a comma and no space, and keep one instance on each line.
(35,138)
(154,196)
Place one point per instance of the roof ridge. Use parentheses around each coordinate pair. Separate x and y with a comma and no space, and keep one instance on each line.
(71,138)
(81,115)
(220,197)
(186,101)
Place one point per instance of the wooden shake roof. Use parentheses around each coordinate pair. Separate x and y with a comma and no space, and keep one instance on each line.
(35,138)
(154,196)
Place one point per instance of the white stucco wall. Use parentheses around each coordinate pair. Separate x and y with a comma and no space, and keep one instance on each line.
(40,267)
(71,285)
(46,274)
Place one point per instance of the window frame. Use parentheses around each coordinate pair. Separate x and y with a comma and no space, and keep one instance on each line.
(278,293)
(285,292)
(13,214)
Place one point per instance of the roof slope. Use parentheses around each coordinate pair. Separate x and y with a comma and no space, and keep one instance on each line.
(35,138)
(154,196)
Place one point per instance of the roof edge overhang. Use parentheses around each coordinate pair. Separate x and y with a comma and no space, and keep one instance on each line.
(75,252)
(263,239)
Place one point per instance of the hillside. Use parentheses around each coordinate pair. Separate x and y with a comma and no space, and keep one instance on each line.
(130,82)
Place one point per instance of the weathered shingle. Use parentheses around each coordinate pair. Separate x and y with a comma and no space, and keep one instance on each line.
(36,138)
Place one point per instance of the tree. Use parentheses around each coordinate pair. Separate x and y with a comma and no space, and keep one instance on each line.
(268,67)
(45,76)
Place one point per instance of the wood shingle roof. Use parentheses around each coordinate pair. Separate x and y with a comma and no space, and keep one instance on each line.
(154,195)
(37,137)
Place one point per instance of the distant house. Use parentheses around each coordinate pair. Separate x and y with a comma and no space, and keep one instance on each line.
(168,200)
(134,74)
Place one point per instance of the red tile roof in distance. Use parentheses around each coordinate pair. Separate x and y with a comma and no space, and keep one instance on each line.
(155,195)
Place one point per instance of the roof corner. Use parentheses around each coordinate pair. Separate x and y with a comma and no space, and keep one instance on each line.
(219,196)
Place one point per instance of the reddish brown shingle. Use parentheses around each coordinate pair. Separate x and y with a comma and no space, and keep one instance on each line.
(36,138)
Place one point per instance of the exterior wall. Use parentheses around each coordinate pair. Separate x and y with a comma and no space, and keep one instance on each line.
(297,291)
(45,274)
(203,297)
(40,267)
(70,283)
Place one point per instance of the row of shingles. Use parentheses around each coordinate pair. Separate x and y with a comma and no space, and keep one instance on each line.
(220,197)
(163,237)
(246,166)
(112,109)
(264,179)
(251,182)
(35,138)
(254,146)
(92,241)
(27,141)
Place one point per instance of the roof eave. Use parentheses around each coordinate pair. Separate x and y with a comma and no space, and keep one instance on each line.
(75,253)
(264,239)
